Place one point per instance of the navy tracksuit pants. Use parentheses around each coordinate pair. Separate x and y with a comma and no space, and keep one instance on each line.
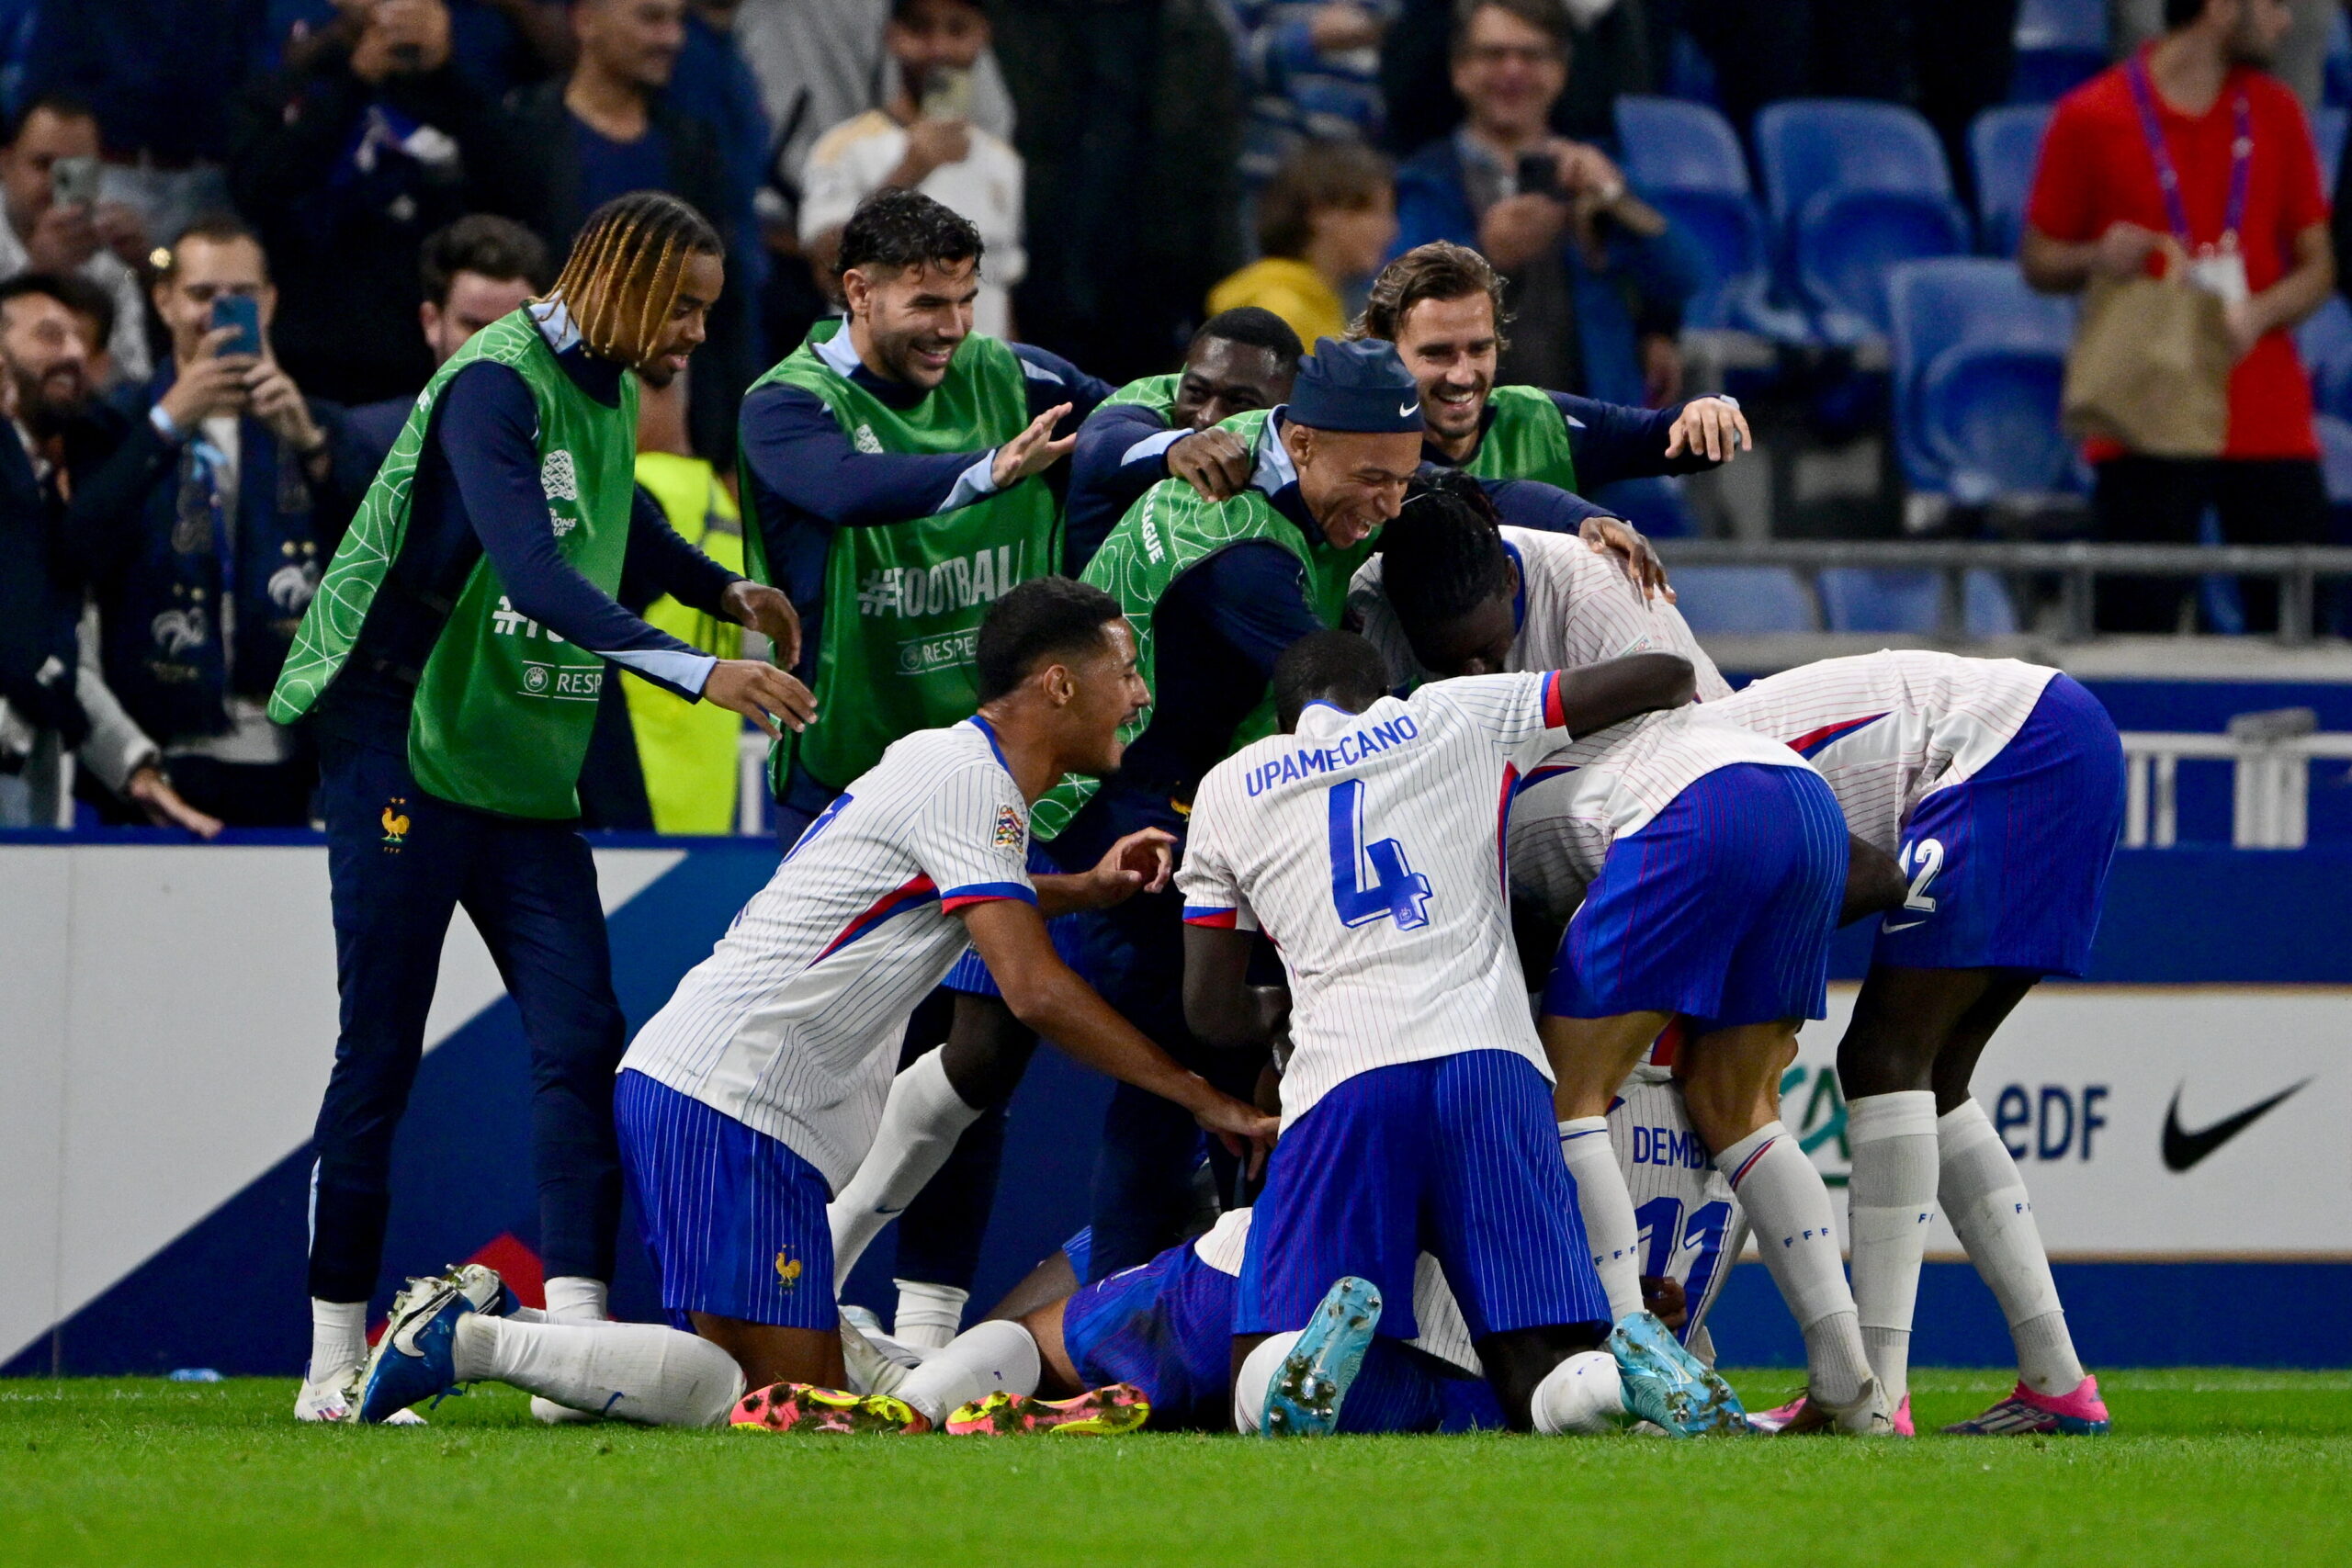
(401,863)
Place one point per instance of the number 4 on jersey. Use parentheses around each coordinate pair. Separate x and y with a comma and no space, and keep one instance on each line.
(1397,891)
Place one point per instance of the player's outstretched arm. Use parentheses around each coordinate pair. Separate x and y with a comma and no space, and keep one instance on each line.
(1874,884)
(1615,689)
(1140,863)
(1221,1007)
(1045,994)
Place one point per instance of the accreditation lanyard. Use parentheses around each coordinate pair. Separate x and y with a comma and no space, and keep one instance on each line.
(2144,95)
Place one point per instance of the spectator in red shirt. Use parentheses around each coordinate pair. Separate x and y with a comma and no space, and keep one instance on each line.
(2251,223)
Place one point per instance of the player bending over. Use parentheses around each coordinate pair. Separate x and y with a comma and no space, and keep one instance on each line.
(755,1091)
(1363,841)
(1998,786)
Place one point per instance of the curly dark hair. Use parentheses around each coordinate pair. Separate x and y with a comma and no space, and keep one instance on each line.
(896,229)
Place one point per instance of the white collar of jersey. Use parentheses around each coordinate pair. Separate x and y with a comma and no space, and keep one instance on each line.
(553,317)
(1274,468)
(839,353)
(1320,718)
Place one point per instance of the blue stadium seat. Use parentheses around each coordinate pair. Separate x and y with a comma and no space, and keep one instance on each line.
(2327,137)
(1686,159)
(2335,81)
(2335,458)
(1979,363)
(1653,505)
(2061,44)
(1743,601)
(1855,188)
(2002,146)
(1875,599)
(2325,342)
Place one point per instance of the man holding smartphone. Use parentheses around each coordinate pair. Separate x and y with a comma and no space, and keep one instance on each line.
(49,177)
(202,536)
(922,139)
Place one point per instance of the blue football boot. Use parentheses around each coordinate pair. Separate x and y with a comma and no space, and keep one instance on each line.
(416,1358)
(1303,1398)
(1667,1385)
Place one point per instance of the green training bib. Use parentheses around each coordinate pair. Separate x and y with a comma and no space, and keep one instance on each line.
(903,601)
(1528,440)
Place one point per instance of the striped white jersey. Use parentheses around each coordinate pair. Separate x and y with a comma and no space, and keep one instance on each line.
(1367,847)
(1590,794)
(1886,728)
(792,1024)
(1443,1334)
(1692,1227)
(1575,608)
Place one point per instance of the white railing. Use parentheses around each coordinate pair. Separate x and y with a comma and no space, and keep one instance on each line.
(2271,756)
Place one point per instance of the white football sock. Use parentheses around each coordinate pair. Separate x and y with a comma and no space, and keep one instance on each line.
(575,1298)
(929,1315)
(1890,1198)
(1583,1393)
(631,1372)
(1258,1370)
(1986,1200)
(338,1339)
(920,1122)
(1796,1231)
(975,1364)
(1610,1228)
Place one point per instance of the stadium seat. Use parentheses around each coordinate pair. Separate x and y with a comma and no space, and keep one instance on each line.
(1854,189)
(1653,505)
(1743,601)
(2325,342)
(1873,599)
(1686,162)
(2002,147)
(2327,137)
(2335,458)
(1979,361)
(2335,81)
(2061,44)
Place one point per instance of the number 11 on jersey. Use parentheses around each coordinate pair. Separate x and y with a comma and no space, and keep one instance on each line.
(1396,890)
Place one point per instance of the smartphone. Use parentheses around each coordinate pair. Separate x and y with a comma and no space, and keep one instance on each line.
(1538,174)
(74,182)
(948,94)
(244,313)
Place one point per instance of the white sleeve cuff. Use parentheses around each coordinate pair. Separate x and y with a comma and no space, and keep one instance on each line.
(686,672)
(1152,449)
(975,483)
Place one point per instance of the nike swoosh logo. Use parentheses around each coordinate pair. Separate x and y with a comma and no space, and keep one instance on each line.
(2183,1150)
(1886,930)
(1409,410)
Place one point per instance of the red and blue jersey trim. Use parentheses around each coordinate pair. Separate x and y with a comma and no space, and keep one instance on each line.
(1212,917)
(911,895)
(956,898)
(1813,743)
(1555,713)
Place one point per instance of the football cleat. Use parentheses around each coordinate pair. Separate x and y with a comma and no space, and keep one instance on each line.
(799,1407)
(1667,1385)
(416,1360)
(1794,1419)
(1303,1398)
(482,1286)
(876,1362)
(319,1402)
(2078,1414)
(1098,1413)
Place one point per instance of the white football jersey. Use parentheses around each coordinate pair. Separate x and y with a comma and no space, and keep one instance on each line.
(1575,608)
(1590,794)
(1692,1225)
(1367,846)
(792,1024)
(1886,728)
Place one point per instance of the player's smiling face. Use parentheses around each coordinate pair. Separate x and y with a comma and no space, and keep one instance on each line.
(1352,482)
(1450,346)
(1107,692)
(906,322)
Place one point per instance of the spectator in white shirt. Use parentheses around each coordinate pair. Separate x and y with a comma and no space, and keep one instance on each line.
(77,236)
(922,139)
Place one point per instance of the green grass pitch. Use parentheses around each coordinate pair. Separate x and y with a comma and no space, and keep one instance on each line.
(2205,1467)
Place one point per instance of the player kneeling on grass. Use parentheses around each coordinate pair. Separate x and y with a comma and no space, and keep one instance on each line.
(752,1095)
(1415,1105)
(1998,787)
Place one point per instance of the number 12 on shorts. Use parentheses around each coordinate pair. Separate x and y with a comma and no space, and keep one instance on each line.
(1395,891)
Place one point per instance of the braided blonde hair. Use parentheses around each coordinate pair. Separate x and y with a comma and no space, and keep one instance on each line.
(621,278)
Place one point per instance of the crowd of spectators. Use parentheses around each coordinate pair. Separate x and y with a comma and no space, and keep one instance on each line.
(377,179)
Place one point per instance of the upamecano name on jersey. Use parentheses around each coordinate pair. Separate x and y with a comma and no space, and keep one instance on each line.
(1346,752)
